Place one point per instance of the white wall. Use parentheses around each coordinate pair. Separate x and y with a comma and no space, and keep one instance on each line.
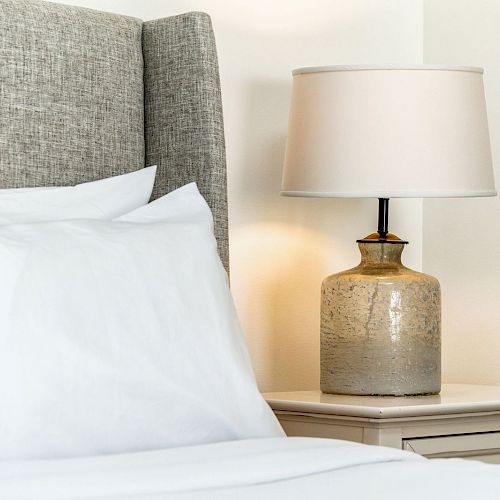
(282,248)
(462,236)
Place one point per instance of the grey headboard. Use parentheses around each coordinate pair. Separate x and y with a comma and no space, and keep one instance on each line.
(87,94)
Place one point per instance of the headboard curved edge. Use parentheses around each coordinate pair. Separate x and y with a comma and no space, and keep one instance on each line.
(184,126)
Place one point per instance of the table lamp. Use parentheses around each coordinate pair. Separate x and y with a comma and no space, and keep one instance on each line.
(385,132)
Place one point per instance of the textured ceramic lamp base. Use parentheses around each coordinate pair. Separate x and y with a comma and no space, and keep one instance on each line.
(381,327)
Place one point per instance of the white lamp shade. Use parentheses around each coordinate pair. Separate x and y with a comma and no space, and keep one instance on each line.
(361,131)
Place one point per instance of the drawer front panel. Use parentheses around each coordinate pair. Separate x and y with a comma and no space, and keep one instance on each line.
(482,446)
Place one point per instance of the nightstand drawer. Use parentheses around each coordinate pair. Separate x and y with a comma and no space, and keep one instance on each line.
(482,446)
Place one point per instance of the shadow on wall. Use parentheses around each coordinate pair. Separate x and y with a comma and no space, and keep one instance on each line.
(284,248)
(263,132)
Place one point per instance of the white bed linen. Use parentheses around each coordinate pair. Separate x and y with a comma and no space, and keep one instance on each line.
(271,468)
(121,336)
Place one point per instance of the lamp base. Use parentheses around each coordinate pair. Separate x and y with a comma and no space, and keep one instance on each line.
(381,326)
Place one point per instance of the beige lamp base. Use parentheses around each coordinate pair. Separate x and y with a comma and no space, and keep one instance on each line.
(381,326)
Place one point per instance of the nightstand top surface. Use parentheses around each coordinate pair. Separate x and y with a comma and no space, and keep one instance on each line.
(454,398)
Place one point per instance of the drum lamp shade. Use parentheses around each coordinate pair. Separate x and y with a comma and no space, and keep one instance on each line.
(388,132)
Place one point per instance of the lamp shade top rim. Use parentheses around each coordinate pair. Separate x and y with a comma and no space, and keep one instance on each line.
(374,67)
(390,194)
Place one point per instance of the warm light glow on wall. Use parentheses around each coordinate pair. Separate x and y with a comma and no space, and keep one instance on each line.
(275,296)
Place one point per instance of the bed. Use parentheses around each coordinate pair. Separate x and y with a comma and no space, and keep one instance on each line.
(86,95)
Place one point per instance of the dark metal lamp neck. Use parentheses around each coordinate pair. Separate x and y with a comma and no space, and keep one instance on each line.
(382,235)
(383,218)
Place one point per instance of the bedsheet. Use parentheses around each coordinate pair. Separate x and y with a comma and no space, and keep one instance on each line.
(252,469)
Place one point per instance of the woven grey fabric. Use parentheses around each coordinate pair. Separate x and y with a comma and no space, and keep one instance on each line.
(76,105)
(183,112)
(71,94)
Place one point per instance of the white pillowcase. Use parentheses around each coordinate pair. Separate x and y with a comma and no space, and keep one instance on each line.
(103,199)
(117,336)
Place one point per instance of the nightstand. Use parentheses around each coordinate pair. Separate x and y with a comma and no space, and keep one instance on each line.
(463,421)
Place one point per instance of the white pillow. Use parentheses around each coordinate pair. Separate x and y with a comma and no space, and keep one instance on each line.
(117,336)
(104,199)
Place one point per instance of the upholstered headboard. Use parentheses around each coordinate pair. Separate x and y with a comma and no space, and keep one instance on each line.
(87,94)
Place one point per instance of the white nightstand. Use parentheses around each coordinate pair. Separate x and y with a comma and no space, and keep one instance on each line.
(463,421)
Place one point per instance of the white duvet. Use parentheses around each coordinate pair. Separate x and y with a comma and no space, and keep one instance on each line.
(274,468)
